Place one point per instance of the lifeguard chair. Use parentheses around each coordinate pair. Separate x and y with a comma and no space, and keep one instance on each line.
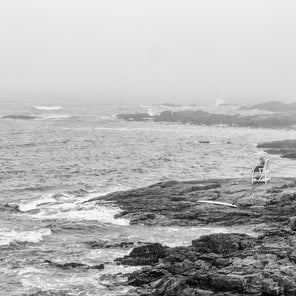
(263,175)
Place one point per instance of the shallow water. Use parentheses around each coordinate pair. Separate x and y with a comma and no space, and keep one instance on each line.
(52,164)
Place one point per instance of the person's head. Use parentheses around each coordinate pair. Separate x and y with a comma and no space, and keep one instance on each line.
(262,159)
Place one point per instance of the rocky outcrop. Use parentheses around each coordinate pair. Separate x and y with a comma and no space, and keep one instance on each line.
(285,148)
(216,264)
(176,203)
(275,120)
(273,106)
(223,264)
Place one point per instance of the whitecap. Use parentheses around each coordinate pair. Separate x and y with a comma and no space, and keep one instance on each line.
(28,206)
(48,108)
(8,237)
(54,116)
(73,212)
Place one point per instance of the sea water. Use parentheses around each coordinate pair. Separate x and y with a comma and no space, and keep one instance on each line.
(64,155)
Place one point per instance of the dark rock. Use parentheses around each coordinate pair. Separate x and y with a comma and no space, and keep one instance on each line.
(217,264)
(145,276)
(14,208)
(70,265)
(292,223)
(97,244)
(222,243)
(144,255)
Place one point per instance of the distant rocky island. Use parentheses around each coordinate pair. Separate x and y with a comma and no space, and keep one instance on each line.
(272,106)
(273,120)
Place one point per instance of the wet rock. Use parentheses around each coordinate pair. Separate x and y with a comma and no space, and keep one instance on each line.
(224,264)
(70,265)
(122,245)
(292,223)
(97,244)
(222,243)
(145,276)
(144,255)
(175,203)
(14,208)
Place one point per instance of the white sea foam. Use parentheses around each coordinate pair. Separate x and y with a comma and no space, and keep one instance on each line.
(37,202)
(72,212)
(54,116)
(48,108)
(8,237)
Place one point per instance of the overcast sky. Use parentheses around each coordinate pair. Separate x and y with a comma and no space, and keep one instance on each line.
(148,50)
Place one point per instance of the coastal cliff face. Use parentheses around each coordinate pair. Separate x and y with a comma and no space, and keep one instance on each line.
(216,264)
(274,120)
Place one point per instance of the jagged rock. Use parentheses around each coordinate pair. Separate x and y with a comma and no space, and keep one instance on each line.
(222,243)
(224,264)
(144,255)
(292,223)
(218,264)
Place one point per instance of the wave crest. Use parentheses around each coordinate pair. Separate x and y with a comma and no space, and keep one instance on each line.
(8,237)
(48,108)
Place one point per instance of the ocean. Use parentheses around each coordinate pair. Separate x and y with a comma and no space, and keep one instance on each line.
(53,158)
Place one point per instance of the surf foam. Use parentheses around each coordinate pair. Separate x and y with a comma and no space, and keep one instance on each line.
(48,108)
(8,237)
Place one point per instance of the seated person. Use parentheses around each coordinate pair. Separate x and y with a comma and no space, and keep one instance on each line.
(261,164)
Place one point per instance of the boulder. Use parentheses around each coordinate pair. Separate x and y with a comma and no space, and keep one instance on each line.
(221,243)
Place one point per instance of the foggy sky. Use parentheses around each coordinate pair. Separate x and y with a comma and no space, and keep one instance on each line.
(148,50)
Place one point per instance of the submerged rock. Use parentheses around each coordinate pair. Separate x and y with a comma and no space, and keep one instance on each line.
(70,265)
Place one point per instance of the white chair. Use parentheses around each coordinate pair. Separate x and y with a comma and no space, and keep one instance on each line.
(263,175)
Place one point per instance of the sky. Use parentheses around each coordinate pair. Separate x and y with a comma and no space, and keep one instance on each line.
(148,51)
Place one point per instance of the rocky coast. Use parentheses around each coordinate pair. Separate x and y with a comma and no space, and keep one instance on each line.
(272,120)
(215,264)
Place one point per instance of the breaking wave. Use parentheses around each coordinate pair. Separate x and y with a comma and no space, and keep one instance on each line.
(8,237)
(48,108)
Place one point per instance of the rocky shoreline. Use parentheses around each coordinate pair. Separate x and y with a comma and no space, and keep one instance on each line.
(285,148)
(216,264)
